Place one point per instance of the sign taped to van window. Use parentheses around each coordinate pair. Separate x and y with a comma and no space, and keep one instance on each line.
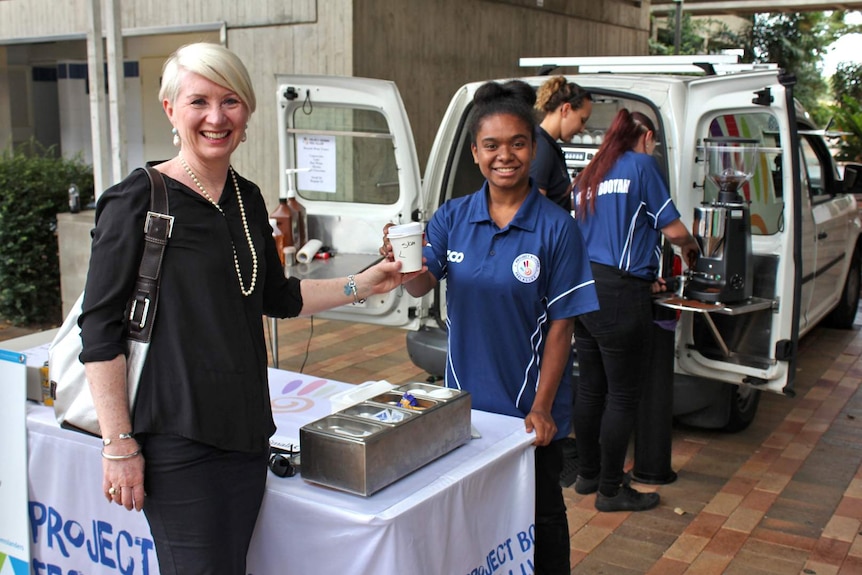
(317,153)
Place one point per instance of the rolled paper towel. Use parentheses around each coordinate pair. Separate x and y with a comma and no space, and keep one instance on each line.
(306,253)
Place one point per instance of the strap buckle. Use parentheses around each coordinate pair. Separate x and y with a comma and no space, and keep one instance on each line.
(144,313)
(155,215)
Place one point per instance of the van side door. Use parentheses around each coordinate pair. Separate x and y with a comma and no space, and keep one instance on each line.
(741,343)
(832,215)
(352,141)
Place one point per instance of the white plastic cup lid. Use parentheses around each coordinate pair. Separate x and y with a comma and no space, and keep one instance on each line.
(411,229)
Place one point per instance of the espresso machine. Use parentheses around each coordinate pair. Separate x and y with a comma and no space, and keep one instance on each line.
(722,227)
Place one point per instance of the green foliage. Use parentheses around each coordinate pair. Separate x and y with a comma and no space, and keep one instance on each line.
(691,39)
(797,42)
(34,187)
(697,36)
(847,112)
(848,118)
(847,81)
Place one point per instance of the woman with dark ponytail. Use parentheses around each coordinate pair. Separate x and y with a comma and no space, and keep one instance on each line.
(517,274)
(624,207)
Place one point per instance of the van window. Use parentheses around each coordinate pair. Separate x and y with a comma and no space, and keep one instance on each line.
(764,190)
(813,168)
(350,152)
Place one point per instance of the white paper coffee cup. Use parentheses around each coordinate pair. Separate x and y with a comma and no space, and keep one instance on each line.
(406,243)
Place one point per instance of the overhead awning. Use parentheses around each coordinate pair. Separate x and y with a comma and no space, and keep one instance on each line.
(743,7)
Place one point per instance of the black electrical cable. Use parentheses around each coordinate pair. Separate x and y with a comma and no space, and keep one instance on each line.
(308,344)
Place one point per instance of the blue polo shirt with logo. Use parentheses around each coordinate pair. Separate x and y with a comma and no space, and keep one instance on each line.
(503,288)
(632,206)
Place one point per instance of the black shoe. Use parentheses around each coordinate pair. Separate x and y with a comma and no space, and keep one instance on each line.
(627,499)
(570,462)
(584,486)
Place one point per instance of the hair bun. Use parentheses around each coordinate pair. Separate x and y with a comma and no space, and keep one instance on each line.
(513,89)
(488,92)
(520,90)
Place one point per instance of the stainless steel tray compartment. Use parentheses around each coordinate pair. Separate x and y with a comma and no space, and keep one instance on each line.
(349,451)
(346,427)
(375,413)
(434,392)
(394,398)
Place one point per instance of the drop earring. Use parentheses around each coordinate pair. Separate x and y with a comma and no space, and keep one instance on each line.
(244,134)
(177,140)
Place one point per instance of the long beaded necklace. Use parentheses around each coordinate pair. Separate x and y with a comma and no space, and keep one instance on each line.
(250,290)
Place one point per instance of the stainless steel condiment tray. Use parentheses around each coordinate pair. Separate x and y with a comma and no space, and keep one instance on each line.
(365,447)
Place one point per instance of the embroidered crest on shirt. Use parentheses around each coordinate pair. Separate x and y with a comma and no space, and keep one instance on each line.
(526,268)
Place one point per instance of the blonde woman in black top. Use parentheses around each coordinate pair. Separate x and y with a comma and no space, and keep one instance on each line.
(192,452)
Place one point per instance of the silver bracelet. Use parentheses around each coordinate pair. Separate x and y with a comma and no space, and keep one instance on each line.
(110,457)
(350,288)
(108,441)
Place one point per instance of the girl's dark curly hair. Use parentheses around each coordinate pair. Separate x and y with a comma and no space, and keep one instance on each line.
(513,97)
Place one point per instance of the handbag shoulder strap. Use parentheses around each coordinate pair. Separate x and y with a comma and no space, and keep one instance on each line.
(158,191)
(157,230)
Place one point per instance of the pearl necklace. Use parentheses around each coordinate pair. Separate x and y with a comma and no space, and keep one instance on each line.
(250,290)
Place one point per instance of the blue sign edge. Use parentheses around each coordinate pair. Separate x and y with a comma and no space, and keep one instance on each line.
(13,356)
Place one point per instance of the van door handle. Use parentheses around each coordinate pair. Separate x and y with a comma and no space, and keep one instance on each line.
(822,235)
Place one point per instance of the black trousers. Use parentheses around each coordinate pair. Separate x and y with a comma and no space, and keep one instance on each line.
(202,504)
(552,551)
(614,348)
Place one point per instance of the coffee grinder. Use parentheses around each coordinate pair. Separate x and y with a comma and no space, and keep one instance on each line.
(722,228)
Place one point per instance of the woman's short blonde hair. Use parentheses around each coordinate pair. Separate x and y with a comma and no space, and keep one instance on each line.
(212,61)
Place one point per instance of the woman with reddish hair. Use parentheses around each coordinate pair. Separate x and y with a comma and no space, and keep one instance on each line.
(623,207)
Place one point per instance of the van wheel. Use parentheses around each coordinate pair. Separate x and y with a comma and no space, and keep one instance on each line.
(843,316)
(743,407)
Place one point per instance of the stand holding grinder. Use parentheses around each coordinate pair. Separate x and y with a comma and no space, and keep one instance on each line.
(722,228)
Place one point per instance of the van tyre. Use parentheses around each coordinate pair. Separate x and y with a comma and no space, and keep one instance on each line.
(743,407)
(843,316)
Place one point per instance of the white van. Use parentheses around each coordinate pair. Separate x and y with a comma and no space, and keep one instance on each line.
(355,138)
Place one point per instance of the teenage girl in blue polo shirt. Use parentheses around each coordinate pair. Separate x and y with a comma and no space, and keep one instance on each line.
(623,207)
(517,273)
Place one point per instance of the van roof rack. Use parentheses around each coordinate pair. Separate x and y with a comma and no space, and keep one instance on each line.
(709,64)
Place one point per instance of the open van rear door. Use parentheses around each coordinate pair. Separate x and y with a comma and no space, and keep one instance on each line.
(752,342)
(352,140)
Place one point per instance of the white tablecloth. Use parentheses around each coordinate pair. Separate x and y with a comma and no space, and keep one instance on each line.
(469,512)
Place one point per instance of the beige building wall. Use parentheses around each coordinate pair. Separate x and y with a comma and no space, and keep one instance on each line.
(429,49)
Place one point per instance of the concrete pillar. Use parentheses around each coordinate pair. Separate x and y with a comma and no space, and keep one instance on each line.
(96,73)
(5,107)
(116,90)
(73,237)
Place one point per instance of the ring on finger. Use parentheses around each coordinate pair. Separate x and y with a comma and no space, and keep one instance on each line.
(113,491)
